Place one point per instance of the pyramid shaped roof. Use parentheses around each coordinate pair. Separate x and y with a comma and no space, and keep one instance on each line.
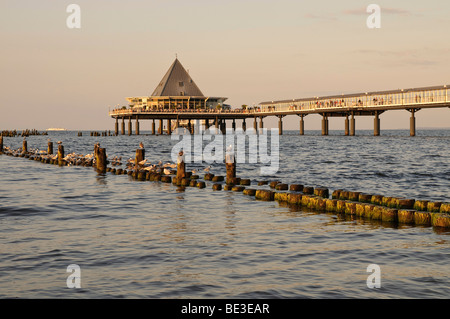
(177,82)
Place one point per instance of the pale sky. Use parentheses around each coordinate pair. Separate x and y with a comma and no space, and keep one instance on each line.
(247,50)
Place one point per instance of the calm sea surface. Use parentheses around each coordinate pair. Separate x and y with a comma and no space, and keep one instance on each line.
(149,240)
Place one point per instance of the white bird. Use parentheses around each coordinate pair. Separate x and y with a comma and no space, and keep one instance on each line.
(207,169)
(167,171)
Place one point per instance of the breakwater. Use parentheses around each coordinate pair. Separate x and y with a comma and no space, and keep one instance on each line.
(370,206)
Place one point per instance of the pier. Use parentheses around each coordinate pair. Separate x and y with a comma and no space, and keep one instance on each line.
(177,102)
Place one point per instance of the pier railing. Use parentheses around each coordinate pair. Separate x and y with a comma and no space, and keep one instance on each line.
(409,98)
(387,99)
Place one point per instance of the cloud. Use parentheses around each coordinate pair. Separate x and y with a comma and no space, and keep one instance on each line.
(393,11)
(316,17)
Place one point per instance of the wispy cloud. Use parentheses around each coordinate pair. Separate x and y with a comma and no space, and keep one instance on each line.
(393,11)
(407,57)
(319,17)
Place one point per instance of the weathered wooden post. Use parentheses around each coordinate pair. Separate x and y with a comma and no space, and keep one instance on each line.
(230,164)
(181,167)
(96,147)
(140,156)
(101,160)
(1,144)
(50,148)
(24,146)
(60,154)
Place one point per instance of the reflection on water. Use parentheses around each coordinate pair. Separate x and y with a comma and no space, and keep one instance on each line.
(156,240)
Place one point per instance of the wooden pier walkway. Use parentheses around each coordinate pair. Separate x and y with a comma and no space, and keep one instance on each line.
(348,106)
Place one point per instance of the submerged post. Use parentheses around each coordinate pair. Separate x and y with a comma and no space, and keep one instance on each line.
(101,160)
(1,144)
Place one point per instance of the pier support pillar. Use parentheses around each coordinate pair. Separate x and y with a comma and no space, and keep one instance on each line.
(130,127)
(347,126)
(324,125)
(206,124)
(255,124)
(352,125)
(233,125)
(123,126)
(116,127)
(412,123)
(244,125)
(302,125)
(169,127)
(280,125)
(137,125)
(261,124)
(376,125)
(216,124)
(153,127)
(223,126)
(189,126)
(161,127)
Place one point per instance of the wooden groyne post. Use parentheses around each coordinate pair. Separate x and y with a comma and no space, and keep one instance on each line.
(60,154)
(24,146)
(181,167)
(140,156)
(101,160)
(230,164)
(50,148)
(1,144)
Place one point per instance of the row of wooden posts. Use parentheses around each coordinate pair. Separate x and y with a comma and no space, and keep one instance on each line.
(369,206)
(24,133)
